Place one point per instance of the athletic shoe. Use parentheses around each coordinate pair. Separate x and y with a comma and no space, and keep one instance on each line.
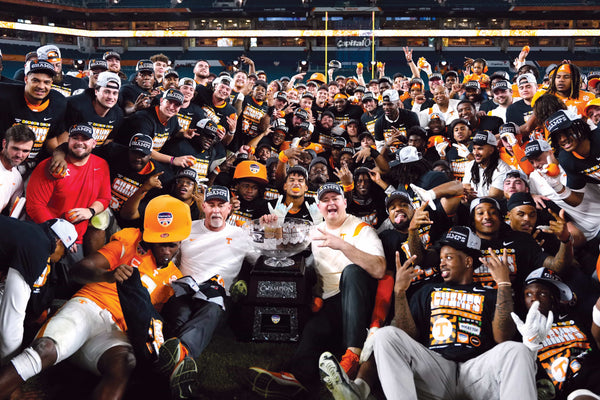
(350,362)
(171,353)
(184,379)
(274,385)
(336,380)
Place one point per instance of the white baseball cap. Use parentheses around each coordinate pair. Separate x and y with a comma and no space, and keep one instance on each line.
(65,231)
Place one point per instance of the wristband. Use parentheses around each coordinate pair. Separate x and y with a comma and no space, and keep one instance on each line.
(596,316)
(172,158)
(348,188)
(282,157)
(564,194)
(374,153)
(504,284)
(92,211)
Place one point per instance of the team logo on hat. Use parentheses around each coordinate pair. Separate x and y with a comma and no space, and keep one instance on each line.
(165,218)
(254,168)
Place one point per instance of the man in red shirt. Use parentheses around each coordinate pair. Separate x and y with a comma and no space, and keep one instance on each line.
(79,195)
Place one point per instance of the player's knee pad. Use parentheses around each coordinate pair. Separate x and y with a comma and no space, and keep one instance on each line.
(28,363)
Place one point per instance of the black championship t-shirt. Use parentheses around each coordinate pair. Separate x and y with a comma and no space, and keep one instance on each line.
(349,112)
(368,120)
(455,320)
(582,170)
(518,112)
(249,120)
(405,121)
(70,85)
(80,109)
(188,117)
(147,122)
(47,122)
(568,357)
(203,158)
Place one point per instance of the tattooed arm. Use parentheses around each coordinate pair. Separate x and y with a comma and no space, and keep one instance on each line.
(403,319)
(503,326)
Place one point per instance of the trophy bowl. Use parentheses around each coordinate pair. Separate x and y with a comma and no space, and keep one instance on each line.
(279,241)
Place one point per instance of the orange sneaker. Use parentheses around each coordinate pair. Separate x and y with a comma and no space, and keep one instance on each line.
(350,362)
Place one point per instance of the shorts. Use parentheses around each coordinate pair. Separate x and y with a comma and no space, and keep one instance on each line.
(84,330)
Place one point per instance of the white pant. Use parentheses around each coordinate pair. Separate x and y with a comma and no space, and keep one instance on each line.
(409,370)
(85,331)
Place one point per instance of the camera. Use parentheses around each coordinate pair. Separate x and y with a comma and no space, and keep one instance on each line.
(302,66)
(79,65)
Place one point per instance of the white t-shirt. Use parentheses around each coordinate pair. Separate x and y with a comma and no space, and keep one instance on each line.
(450,115)
(330,263)
(497,178)
(11,186)
(206,253)
(586,216)
(499,112)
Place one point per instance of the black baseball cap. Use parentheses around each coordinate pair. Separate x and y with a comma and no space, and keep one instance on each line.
(144,66)
(35,67)
(481,200)
(317,160)
(174,95)
(217,192)
(301,113)
(329,187)
(462,238)
(502,85)
(547,276)
(536,147)
(398,194)
(111,54)
(208,127)
(82,129)
(141,142)
(189,173)
(297,169)
(558,121)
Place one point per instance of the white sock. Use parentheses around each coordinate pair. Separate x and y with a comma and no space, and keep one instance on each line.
(28,363)
(363,387)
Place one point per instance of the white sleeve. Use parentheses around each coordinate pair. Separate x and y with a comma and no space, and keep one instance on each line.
(12,314)
(380,144)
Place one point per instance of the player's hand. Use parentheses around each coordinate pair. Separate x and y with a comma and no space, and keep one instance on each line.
(462,150)
(362,155)
(121,273)
(184,161)
(57,167)
(536,327)
(76,215)
(189,133)
(404,274)
(425,195)
(235,202)
(315,213)
(497,266)
(280,209)
(559,227)
(231,123)
(344,175)
(408,54)
(420,218)
(143,101)
(441,149)
(153,182)
(329,240)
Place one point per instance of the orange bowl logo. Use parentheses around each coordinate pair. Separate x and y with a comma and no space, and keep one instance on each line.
(254,168)
(165,218)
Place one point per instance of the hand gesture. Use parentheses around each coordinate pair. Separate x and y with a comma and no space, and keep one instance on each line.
(280,209)
(246,60)
(420,99)
(535,235)
(235,202)
(420,218)
(362,155)
(153,182)
(509,137)
(468,62)
(143,101)
(344,175)
(559,227)
(463,150)
(441,149)
(404,273)
(408,54)
(299,77)
(536,327)
(497,266)
(329,240)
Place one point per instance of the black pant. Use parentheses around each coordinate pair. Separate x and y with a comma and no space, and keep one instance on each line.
(342,322)
(193,321)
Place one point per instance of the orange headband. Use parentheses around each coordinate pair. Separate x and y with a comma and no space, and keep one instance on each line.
(565,68)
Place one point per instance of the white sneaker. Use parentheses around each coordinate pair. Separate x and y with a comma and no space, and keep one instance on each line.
(336,380)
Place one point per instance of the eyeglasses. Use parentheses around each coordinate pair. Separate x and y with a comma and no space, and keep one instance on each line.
(184,182)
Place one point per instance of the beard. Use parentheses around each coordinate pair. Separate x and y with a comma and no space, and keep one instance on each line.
(77,156)
(402,226)
(216,222)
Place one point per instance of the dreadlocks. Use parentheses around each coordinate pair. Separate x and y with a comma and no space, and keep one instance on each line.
(575,79)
